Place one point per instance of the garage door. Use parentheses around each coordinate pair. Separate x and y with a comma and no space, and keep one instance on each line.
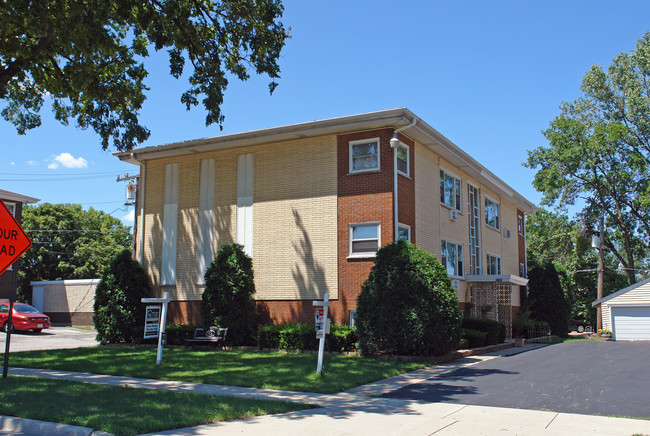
(631,323)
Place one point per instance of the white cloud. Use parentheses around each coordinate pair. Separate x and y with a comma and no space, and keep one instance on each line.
(12,163)
(32,163)
(68,161)
(129,217)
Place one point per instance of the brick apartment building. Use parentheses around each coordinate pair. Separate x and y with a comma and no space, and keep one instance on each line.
(312,202)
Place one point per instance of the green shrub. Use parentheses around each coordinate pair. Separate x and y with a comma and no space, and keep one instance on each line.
(524,326)
(496,331)
(302,336)
(119,313)
(407,305)
(546,300)
(228,296)
(177,333)
(474,338)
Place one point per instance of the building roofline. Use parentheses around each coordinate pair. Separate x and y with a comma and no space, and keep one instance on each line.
(390,118)
(622,291)
(19,198)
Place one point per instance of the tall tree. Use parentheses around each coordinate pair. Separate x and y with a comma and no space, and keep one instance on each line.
(68,243)
(87,57)
(599,153)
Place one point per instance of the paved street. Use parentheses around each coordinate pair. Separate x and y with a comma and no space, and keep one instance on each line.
(49,339)
(599,378)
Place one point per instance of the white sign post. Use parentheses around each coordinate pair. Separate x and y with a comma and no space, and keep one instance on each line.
(160,330)
(322,327)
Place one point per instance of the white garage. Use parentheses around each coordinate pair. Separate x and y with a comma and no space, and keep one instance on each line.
(627,312)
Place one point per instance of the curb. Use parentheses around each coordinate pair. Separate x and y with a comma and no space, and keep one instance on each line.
(32,426)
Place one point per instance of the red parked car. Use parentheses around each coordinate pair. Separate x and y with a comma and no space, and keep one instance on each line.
(25,317)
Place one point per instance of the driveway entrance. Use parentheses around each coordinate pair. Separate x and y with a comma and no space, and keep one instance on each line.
(49,339)
(586,377)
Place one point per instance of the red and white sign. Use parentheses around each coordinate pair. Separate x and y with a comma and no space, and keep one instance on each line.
(320,322)
(13,240)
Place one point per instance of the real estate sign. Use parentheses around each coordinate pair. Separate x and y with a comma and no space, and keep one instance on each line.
(152,322)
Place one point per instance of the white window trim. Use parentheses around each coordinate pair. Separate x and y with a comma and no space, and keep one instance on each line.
(459,208)
(454,276)
(523,224)
(364,254)
(364,141)
(408,161)
(498,204)
(499,264)
(407,227)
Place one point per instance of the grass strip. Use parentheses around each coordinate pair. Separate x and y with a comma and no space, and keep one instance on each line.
(270,370)
(122,410)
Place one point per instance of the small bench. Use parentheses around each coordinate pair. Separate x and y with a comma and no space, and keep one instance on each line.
(210,336)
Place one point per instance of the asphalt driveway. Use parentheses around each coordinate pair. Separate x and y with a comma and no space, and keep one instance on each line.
(587,377)
(49,339)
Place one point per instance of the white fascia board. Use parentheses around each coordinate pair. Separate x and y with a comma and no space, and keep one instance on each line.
(503,279)
(17,198)
(622,291)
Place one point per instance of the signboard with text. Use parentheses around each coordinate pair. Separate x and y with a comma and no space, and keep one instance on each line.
(152,322)
(320,322)
(13,240)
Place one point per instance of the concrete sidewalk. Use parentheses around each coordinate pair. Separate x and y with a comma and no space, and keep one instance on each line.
(360,410)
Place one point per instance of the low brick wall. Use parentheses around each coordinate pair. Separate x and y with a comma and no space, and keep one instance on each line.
(66,302)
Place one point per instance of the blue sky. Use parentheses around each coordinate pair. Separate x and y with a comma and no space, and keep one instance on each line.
(488,75)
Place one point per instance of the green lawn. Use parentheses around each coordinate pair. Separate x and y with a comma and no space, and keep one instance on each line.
(272,370)
(124,411)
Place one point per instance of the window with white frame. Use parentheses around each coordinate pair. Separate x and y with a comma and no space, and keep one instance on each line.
(353,313)
(492,213)
(403,232)
(452,258)
(520,225)
(364,155)
(403,160)
(450,191)
(522,270)
(364,239)
(493,265)
(11,207)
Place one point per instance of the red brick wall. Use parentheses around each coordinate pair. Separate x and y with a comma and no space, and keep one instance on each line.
(406,190)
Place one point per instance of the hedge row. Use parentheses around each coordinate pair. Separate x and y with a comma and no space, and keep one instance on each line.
(473,338)
(302,336)
(495,331)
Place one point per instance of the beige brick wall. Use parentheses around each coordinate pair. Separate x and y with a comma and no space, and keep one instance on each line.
(433,223)
(68,296)
(294,218)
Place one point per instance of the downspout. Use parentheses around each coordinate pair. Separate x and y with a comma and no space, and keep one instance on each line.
(394,144)
(140,199)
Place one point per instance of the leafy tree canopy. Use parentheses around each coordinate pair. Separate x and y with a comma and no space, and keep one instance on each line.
(87,57)
(68,243)
(599,153)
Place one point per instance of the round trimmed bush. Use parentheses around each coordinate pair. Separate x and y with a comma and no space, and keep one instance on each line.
(119,313)
(228,297)
(407,305)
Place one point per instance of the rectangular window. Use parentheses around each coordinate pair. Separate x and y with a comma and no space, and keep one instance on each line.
(520,225)
(450,192)
(403,232)
(364,155)
(492,213)
(452,258)
(403,160)
(493,265)
(364,239)
(522,270)
(352,315)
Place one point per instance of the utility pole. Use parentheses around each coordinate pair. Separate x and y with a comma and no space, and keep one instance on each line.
(601,272)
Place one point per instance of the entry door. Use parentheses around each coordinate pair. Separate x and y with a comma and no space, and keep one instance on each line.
(474,230)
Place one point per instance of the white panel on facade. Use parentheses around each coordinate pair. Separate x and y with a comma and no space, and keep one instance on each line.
(205,249)
(245,202)
(170,225)
(631,323)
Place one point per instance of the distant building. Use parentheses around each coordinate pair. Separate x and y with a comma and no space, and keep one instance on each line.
(14,203)
(313,202)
